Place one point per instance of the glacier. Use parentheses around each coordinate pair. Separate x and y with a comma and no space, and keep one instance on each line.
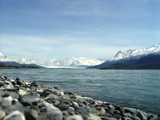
(55,63)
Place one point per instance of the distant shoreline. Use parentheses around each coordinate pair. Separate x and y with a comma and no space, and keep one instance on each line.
(19,68)
(80,68)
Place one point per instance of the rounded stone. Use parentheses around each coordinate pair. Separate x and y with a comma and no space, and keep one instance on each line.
(31,114)
(16,115)
(2,114)
(93,117)
(74,117)
(102,111)
(52,115)
(1,83)
(75,104)
(22,92)
(111,118)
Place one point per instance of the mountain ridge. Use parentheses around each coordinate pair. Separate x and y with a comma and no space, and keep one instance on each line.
(130,59)
(56,63)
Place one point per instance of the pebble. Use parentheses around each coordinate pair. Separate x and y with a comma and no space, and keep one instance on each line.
(22,92)
(31,114)
(74,117)
(2,114)
(52,115)
(16,115)
(93,117)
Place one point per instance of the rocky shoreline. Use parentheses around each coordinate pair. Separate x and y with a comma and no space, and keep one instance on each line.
(21,100)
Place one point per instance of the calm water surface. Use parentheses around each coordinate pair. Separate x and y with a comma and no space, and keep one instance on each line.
(132,88)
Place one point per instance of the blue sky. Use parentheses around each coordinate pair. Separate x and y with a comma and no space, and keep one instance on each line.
(44,29)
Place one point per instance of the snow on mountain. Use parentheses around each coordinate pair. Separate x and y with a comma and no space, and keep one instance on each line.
(56,63)
(136,53)
(147,58)
(2,56)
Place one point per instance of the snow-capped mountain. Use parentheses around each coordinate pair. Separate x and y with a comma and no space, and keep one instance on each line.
(137,53)
(146,58)
(8,62)
(2,56)
(56,63)
(72,62)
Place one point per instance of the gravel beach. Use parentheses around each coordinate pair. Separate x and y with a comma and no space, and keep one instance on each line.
(22,100)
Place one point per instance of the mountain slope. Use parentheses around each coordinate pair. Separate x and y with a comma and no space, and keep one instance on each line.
(7,62)
(148,58)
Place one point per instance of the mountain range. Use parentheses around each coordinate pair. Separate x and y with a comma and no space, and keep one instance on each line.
(146,58)
(51,63)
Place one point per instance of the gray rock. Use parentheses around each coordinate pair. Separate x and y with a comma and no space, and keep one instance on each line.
(70,109)
(8,85)
(136,118)
(52,115)
(111,107)
(65,113)
(22,92)
(127,118)
(16,115)
(130,110)
(102,111)
(31,114)
(14,95)
(17,105)
(142,115)
(111,118)
(86,111)
(75,104)
(53,96)
(1,84)
(117,116)
(110,111)
(6,101)
(2,114)
(19,82)
(47,106)
(127,114)
(79,100)
(30,98)
(75,117)
(108,115)
(93,117)
(153,117)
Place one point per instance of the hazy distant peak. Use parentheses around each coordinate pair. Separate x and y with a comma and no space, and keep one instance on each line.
(2,55)
(66,62)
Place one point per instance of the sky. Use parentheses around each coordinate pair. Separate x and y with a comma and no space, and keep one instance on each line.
(45,29)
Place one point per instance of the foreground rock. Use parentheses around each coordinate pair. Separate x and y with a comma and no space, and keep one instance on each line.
(20,100)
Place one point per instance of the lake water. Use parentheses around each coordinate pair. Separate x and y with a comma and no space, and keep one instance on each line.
(139,89)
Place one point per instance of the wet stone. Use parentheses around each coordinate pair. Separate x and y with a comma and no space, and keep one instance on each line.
(31,114)
(2,114)
(16,115)
(29,98)
(74,117)
(1,84)
(19,82)
(14,95)
(111,118)
(52,115)
(142,115)
(117,116)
